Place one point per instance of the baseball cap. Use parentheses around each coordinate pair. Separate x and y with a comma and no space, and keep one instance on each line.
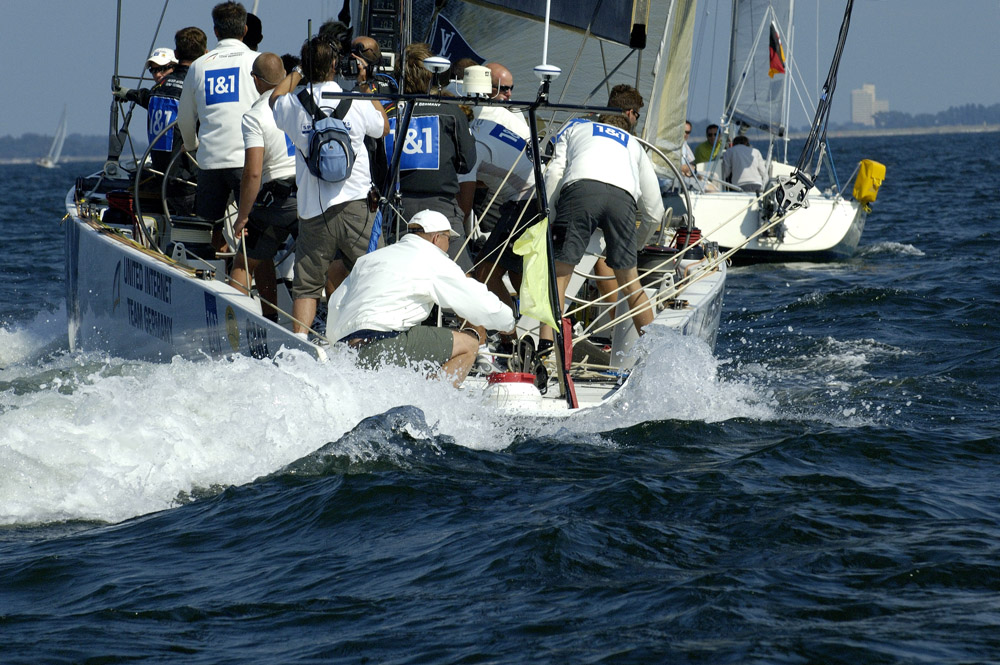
(162,56)
(431,221)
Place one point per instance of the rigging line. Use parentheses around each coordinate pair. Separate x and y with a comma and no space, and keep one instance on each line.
(156,34)
(579,53)
(490,204)
(821,120)
(681,283)
(688,280)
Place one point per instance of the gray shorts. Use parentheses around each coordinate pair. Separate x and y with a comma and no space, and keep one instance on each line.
(447,206)
(587,205)
(345,227)
(417,345)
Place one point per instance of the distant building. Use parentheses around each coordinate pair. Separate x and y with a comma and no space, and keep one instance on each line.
(864,106)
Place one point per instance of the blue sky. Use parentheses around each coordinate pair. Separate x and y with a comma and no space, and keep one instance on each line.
(922,55)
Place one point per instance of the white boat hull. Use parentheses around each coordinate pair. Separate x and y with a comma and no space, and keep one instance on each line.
(829,229)
(134,304)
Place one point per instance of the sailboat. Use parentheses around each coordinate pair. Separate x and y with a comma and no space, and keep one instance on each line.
(147,285)
(51,160)
(828,220)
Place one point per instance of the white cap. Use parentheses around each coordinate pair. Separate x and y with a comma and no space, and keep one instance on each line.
(162,56)
(431,221)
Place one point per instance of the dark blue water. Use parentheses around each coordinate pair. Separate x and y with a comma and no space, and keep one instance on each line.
(824,489)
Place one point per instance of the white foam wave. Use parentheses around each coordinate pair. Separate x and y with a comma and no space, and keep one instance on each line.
(21,344)
(103,439)
(888,247)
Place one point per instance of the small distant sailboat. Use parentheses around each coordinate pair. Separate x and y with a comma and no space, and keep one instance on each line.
(51,160)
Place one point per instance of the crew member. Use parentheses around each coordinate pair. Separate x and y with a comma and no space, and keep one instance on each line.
(267,191)
(217,92)
(597,178)
(743,166)
(379,307)
(436,150)
(333,216)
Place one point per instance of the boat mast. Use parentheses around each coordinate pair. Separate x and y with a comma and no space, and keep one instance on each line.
(792,194)
(115,142)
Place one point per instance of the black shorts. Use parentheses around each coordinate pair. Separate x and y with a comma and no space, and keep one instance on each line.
(587,205)
(214,188)
(510,225)
(269,227)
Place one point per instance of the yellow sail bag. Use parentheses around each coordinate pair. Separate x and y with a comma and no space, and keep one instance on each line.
(870,177)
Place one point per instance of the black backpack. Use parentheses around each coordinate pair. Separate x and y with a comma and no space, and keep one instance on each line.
(331,156)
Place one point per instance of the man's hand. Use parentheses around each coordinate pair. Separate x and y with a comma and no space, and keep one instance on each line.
(239,227)
(120,93)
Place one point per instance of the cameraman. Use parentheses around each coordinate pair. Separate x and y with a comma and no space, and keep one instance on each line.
(365,66)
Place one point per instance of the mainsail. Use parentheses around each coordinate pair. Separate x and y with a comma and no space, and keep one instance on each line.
(589,40)
(755,96)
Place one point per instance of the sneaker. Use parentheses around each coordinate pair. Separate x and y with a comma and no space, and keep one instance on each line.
(486,363)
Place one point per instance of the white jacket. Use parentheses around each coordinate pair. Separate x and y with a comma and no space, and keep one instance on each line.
(394,288)
(595,151)
(218,90)
(500,150)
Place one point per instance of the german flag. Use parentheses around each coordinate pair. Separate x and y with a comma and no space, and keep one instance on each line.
(776,53)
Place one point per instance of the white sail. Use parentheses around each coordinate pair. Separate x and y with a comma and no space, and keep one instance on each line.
(754,96)
(668,102)
(605,39)
(55,151)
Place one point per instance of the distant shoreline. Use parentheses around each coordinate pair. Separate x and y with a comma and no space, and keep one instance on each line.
(62,160)
(906,131)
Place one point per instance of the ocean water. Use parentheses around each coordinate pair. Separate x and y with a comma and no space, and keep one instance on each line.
(823,488)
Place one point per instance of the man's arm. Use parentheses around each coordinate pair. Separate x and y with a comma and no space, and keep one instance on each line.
(253,167)
(187,112)
(470,299)
(286,85)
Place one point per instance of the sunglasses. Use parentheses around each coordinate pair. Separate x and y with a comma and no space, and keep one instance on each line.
(505,88)
(160,70)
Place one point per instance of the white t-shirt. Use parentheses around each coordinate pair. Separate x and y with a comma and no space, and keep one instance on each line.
(595,151)
(259,131)
(362,120)
(218,90)
(394,288)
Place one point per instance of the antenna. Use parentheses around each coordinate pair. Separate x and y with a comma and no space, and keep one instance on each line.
(546,72)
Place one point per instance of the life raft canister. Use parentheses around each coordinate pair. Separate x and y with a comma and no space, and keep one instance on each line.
(870,177)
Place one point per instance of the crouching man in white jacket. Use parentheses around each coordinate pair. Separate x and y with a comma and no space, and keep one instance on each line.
(379,307)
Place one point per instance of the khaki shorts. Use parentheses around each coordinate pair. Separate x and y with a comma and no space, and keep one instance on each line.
(417,345)
(345,227)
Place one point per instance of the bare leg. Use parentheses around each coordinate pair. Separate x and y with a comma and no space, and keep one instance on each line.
(638,303)
(335,276)
(267,286)
(239,277)
(606,287)
(303,311)
(492,275)
(463,353)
